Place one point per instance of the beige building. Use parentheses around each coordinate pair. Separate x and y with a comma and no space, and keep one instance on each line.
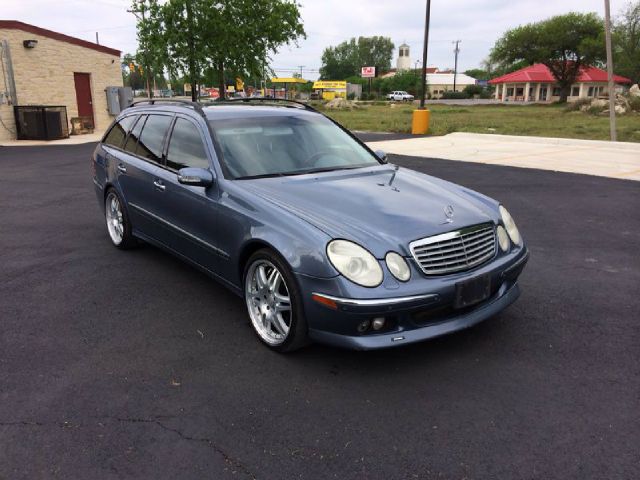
(42,67)
(439,83)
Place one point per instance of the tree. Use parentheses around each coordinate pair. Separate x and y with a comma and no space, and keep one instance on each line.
(151,53)
(131,77)
(198,37)
(347,58)
(626,42)
(478,74)
(564,44)
(407,81)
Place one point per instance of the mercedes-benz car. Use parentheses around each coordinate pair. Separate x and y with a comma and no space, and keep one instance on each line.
(323,238)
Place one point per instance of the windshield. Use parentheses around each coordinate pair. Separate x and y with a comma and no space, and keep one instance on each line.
(286,145)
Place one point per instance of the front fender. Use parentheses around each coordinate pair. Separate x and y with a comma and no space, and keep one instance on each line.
(249,222)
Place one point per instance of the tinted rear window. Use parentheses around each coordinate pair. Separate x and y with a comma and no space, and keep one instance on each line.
(132,140)
(119,131)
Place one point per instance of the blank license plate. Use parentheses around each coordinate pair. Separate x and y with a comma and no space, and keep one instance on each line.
(472,291)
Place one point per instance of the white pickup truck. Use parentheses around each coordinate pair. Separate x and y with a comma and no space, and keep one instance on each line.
(400,96)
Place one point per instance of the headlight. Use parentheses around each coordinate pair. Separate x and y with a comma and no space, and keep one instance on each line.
(510,226)
(503,238)
(355,263)
(397,266)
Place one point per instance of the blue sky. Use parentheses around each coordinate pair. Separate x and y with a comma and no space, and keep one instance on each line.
(478,23)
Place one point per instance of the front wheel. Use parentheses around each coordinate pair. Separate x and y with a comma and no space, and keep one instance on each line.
(274,303)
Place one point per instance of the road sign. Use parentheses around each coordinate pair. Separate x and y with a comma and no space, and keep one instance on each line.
(368,72)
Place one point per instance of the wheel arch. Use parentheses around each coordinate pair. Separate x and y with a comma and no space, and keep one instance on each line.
(251,247)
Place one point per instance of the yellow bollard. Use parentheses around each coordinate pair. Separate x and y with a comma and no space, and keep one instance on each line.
(420,122)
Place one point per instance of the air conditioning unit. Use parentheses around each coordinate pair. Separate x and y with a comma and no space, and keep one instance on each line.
(40,122)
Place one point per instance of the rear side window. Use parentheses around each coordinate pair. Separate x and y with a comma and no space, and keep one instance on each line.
(119,131)
(151,139)
(186,148)
(132,141)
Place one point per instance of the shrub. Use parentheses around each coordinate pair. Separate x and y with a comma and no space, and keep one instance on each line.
(351,96)
(472,90)
(454,96)
(634,103)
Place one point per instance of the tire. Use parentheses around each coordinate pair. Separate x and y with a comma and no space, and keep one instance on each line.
(280,328)
(118,223)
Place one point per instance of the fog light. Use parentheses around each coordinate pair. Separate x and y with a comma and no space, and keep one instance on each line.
(363,326)
(377,323)
(503,238)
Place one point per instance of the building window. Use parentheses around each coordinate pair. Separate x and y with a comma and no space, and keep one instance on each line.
(519,91)
(556,91)
(575,91)
(510,92)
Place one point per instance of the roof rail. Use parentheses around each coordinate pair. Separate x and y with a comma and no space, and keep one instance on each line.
(294,103)
(187,103)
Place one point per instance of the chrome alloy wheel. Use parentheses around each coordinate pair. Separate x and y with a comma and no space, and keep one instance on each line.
(268,302)
(113,215)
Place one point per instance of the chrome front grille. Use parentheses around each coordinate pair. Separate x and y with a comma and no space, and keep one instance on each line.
(455,251)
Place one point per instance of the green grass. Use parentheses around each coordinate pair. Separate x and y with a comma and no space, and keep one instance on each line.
(533,120)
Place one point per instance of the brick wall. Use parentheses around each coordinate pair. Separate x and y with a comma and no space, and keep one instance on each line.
(44,76)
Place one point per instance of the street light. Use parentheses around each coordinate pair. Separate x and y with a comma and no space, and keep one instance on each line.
(424,54)
(420,119)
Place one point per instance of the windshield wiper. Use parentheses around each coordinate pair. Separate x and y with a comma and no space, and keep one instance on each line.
(323,169)
(299,172)
(262,175)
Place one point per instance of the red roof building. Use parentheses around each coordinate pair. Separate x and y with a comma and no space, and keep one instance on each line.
(537,84)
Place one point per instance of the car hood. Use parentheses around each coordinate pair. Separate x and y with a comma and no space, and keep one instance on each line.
(382,208)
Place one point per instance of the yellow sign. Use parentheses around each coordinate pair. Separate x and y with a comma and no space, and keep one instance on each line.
(239,84)
(288,80)
(337,84)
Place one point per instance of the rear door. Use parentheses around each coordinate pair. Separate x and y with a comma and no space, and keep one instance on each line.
(190,212)
(138,168)
(108,152)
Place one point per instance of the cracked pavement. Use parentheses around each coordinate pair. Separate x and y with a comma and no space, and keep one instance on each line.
(134,365)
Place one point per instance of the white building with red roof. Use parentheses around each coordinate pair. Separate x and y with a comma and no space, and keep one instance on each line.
(537,84)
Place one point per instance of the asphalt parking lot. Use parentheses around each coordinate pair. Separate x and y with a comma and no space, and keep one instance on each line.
(133,365)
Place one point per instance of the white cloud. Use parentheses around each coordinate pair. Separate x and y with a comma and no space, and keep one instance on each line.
(478,23)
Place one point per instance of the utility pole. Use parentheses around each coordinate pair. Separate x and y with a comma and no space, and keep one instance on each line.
(612,88)
(97,39)
(424,54)
(455,68)
(146,67)
(301,67)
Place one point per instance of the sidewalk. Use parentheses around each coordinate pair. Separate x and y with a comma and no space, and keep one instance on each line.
(72,140)
(592,157)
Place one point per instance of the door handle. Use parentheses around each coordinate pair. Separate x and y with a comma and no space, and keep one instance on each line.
(122,168)
(159,185)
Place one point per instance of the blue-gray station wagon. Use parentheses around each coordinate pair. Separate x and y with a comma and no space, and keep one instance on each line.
(323,239)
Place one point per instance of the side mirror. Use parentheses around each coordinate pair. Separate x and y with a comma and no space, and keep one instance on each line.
(381,155)
(196,177)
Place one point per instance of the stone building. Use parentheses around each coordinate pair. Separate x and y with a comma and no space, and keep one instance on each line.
(42,67)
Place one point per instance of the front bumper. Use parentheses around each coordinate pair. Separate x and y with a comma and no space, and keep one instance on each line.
(412,316)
